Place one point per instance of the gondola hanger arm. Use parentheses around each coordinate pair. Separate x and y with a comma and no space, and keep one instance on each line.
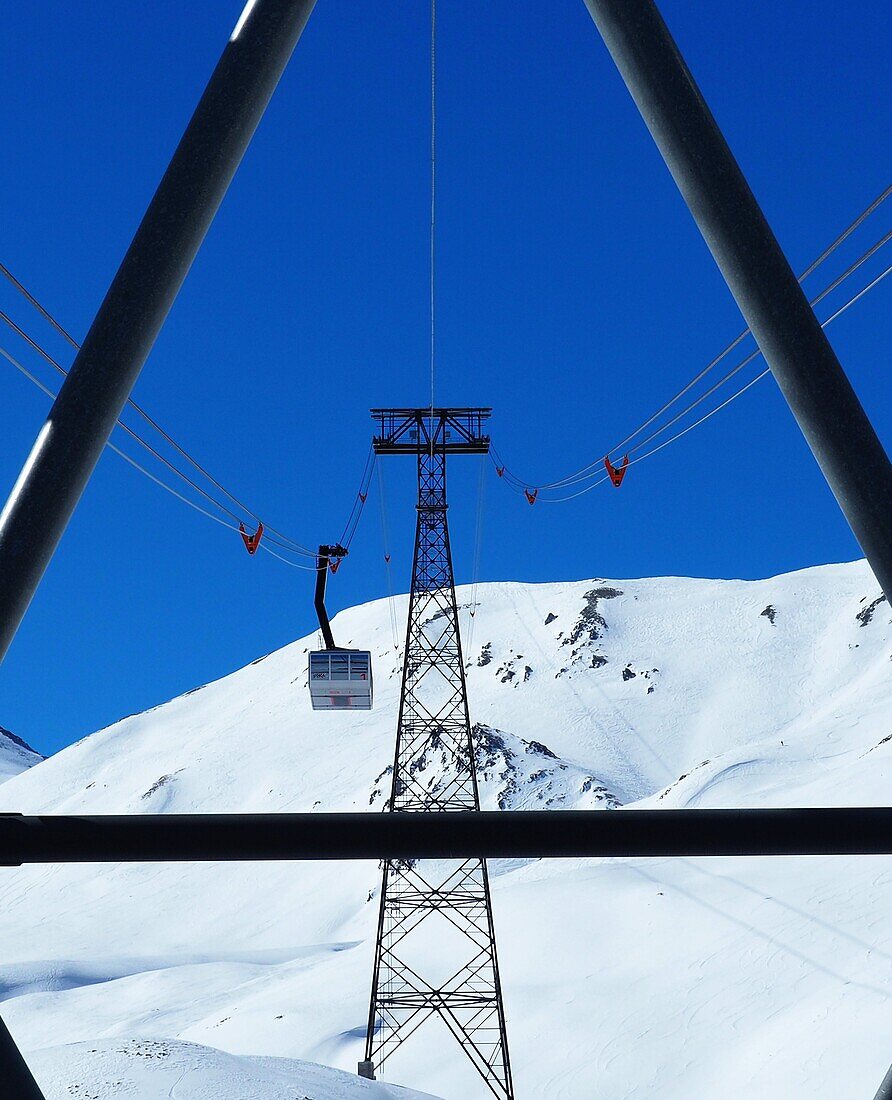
(329,557)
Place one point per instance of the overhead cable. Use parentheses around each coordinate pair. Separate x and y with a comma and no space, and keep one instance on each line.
(433,217)
(727,401)
(764,374)
(756,353)
(359,500)
(478,545)
(385,539)
(271,535)
(813,266)
(142,469)
(592,468)
(285,540)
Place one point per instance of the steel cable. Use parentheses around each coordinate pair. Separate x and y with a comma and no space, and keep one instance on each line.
(727,401)
(359,501)
(478,544)
(63,332)
(385,539)
(268,530)
(763,374)
(590,469)
(137,466)
(433,217)
(270,534)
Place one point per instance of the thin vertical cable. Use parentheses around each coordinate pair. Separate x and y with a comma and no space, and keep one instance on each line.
(433,219)
(478,543)
(385,538)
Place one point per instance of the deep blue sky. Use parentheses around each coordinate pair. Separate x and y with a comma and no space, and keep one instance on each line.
(574,296)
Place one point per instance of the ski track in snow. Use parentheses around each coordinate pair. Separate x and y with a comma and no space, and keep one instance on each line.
(622,978)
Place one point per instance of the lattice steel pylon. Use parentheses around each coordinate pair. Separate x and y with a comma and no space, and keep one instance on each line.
(440,910)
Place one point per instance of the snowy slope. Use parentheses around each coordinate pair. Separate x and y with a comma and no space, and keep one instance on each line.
(156,1070)
(622,978)
(15,755)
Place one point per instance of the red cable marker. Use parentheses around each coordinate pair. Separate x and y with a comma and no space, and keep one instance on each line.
(251,541)
(531,496)
(335,564)
(617,473)
(500,470)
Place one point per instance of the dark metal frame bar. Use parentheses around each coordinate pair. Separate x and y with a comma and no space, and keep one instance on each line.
(807,370)
(118,343)
(542,834)
(15,1077)
(431,429)
(106,367)
(885,1090)
(795,347)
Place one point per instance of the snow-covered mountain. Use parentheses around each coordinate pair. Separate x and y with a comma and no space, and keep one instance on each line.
(622,978)
(152,1069)
(15,755)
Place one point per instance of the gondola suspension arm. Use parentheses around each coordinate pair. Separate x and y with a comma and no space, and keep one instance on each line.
(329,557)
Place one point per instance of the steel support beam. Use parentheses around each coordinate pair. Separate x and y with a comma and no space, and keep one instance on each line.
(15,1076)
(436,835)
(885,1092)
(434,735)
(749,257)
(71,440)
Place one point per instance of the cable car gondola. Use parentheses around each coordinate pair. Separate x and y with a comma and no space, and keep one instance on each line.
(339,679)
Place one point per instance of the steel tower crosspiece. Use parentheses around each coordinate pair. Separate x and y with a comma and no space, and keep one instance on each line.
(434,770)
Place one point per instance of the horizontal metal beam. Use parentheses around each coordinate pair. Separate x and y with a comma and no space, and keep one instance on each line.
(431,430)
(445,835)
(483,411)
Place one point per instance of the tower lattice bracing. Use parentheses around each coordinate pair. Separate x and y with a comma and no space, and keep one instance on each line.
(436,951)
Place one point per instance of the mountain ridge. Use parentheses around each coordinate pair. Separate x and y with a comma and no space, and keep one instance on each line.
(16,755)
(621,977)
